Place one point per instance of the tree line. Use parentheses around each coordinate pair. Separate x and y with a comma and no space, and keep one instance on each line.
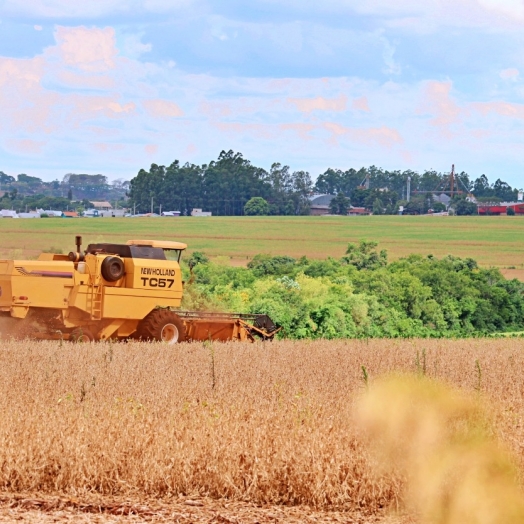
(223,187)
(74,192)
(226,185)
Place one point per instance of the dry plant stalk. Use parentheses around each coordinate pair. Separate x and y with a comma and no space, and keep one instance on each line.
(277,427)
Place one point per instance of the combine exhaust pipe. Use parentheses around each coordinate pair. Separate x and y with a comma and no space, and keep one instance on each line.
(77,256)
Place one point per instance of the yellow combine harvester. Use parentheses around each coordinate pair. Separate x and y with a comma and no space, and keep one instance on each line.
(116,291)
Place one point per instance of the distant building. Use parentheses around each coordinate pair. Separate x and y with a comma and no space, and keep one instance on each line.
(358,211)
(197,212)
(49,212)
(8,213)
(442,198)
(319,204)
(69,214)
(501,209)
(170,213)
(102,205)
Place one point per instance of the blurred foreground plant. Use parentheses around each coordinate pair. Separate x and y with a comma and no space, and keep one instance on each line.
(457,472)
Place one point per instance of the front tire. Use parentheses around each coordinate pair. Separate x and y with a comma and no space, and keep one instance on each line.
(164,326)
(82,335)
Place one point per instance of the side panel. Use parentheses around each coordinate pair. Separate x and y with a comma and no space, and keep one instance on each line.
(155,275)
(6,267)
(40,284)
(136,303)
(119,302)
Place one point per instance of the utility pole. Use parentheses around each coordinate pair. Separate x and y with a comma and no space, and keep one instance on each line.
(151,205)
(408,189)
(160,210)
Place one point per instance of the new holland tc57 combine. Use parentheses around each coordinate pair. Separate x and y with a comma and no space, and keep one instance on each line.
(115,291)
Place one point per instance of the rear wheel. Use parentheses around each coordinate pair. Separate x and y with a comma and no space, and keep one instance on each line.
(162,325)
(82,335)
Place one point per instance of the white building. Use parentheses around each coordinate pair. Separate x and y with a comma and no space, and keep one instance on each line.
(8,213)
(197,212)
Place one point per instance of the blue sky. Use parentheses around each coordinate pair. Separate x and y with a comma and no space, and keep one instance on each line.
(110,86)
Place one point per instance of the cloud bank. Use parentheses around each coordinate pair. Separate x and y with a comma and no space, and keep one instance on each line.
(338,84)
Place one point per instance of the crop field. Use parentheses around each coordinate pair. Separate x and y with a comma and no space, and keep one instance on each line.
(265,432)
(222,432)
(492,241)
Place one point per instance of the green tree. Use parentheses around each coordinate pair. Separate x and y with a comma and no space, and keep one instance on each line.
(438,207)
(365,255)
(465,207)
(378,207)
(256,206)
(29,180)
(339,205)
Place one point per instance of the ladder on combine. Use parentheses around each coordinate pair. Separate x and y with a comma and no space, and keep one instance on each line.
(94,302)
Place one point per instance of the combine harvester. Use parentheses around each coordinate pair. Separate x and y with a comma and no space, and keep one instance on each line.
(114,291)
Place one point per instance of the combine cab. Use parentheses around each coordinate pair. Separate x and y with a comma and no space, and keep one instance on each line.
(118,291)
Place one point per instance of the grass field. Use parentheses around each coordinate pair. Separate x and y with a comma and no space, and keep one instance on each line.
(493,241)
(256,424)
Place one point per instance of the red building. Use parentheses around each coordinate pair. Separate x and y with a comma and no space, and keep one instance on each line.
(501,209)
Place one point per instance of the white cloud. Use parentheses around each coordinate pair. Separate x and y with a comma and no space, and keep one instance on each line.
(88,94)
(511,8)
(162,109)
(392,67)
(89,8)
(509,74)
(418,16)
(87,49)
(133,47)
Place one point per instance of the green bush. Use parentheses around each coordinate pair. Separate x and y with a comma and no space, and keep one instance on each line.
(361,295)
(256,206)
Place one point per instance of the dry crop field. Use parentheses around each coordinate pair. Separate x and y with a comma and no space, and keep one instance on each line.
(232,432)
(492,241)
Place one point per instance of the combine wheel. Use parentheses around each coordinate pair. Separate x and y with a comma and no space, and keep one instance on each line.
(82,335)
(162,325)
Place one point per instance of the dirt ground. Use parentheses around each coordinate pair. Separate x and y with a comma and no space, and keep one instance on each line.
(513,273)
(44,509)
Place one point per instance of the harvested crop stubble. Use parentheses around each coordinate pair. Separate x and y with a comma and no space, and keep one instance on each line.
(144,420)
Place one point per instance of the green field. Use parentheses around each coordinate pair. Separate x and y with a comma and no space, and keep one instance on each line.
(493,241)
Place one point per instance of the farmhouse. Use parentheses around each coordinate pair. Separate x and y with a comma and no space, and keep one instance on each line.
(102,205)
(319,204)
(357,211)
(50,212)
(8,213)
(197,212)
